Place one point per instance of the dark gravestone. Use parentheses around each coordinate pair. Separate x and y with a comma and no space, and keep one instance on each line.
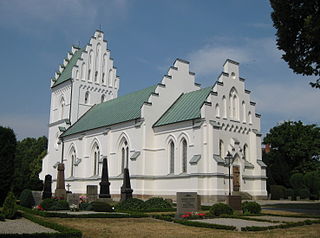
(47,192)
(105,184)
(60,190)
(92,193)
(234,202)
(187,202)
(126,191)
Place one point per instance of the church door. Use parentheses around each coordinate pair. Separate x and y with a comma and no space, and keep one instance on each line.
(236,178)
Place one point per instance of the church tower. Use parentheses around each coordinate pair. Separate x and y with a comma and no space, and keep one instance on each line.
(86,77)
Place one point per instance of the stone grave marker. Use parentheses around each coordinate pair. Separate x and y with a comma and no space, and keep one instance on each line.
(187,202)
(92,193)
(37,196)
(73,198)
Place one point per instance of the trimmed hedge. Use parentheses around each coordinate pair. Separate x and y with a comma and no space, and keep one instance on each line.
(26,198)
(277,192)
(9,206)
(220,209)
(251,207)
(99,206)
(53,204)
(157,203)
(132,204)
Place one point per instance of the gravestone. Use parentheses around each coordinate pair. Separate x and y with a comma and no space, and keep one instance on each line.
(126,191)
(47,192)
(187,202)
(37,196)
(61,190)
(92,193)
(73,198)
(105,184)
(234,201)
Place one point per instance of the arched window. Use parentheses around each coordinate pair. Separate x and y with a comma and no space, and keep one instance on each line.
(110,78)
(217,110)
(89,74)
(244,113)
(171,153)
(76,74)
(124,155)
(102,98)
(250,118)
(90,65)
(102,80)
(73,160)
(224,101)
(83,71)
(97,63)
(96,157)
(221,149)
(62,106)
(184,156)
(234,104)
(86,98)
(245,152)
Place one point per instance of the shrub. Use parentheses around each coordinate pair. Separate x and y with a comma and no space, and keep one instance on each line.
(132,204)
(277,192)
(289,192)
(220,208)
(312,182)
(251,207)
(85,206)
(99,206)
(9,206)
(157,203)
(2,217)
(53,204)
(26,198)
(304,193)
(296,181)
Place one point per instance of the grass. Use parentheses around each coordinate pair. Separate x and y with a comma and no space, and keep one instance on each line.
(306,206)
(148,227)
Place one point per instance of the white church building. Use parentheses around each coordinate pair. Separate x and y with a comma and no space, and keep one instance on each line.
(173,136)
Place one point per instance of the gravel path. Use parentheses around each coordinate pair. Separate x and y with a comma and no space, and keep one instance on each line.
(238,223)
(282,219)
(22,225)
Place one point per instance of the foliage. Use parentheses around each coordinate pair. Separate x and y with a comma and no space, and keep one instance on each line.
(304,193)
(157,203)
(9,206)
(251,207)
(220,209)
(99,206)
(2,217)
(85,206)
(203,224)
(132,204)
(289,192)
(277,192)
(8,144)
(298,29)
(54,204)
(296,181)
(26,198)
(28,162)
(312,182)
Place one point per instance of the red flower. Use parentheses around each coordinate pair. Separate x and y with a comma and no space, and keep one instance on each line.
(185,216)
(201,214)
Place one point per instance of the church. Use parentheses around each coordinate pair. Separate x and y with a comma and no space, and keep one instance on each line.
(173,136)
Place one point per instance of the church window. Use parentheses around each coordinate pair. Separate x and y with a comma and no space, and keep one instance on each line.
(245,152)
(184,156)
(124,156)
(83,71)
(171,144)
(217,110)
(102,98)
(234,104)
(115,83)
(76,74)
(102,77)
(62,106)
(96,76)
(110,78)
(96,157)
(221,149)
(89,74)
(244,113)
(224,101)
(250,118)
(73,160)
(86,98)
(98,57)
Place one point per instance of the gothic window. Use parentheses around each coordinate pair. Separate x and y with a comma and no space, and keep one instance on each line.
(221,149)
(116,83)
(62,106)
(124,155)
(110,78)
(97,57)
(102,98)
(73,160)
(234,104)
(224,101)
(76,74)
(250,118)
(89,74)
(102,77)
(96,157)
(244,113)
(86,98)
(171,153)
(96,76)
(83,71)
(184,156)
(245,152)
(217,110)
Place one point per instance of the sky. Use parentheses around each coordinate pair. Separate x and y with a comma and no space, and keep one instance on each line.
(145,37)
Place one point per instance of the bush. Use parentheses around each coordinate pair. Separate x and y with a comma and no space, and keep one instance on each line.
(132,204)
(304,193)
(312,182)
(277,192)
(2,217)
(86,206)
(296,181)
(289,192)
(157,203)
(220,208)
(99,206)
(251,207)
(53,204)
(9,206)
(26,198)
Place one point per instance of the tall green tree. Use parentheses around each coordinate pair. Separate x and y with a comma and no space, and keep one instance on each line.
(298,28)
(8,144)
(293,145)
(30,152)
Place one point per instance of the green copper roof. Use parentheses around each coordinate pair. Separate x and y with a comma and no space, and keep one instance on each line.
(66,74)
(121,109)
(186,107)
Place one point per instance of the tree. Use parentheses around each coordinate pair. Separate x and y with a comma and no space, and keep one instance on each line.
(294,146)
(298,29)
(8,144)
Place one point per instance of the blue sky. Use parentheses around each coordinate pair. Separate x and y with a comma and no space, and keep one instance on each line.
(145,37)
